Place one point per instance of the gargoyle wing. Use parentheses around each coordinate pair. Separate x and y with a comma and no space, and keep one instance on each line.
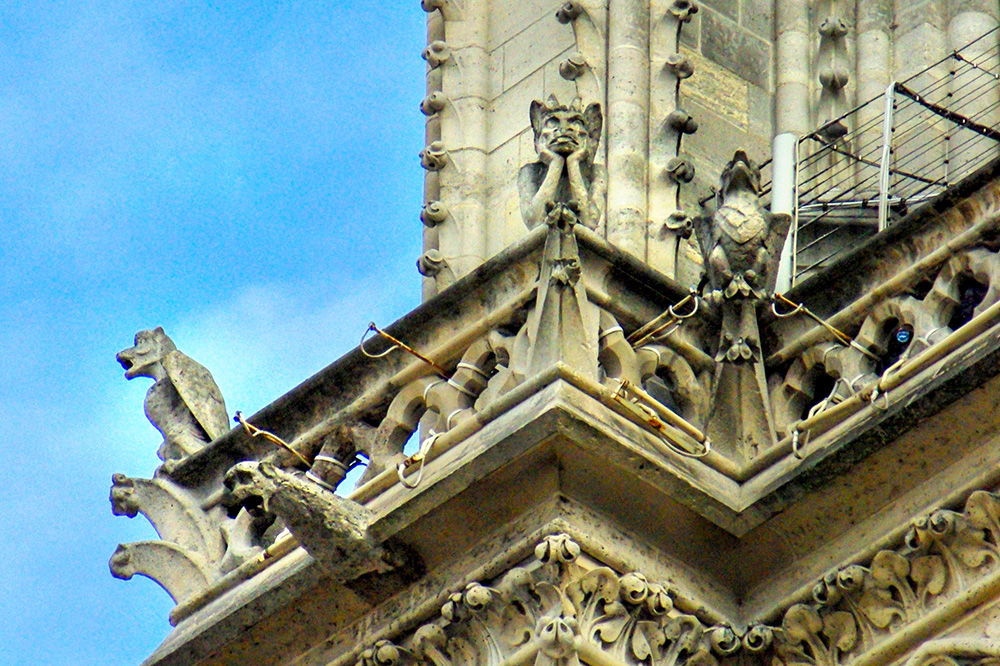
(199,392)
(777,232)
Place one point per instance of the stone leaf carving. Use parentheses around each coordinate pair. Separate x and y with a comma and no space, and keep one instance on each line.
(332,529)
(564,180)
(557,610)
(859,607)
(184,403)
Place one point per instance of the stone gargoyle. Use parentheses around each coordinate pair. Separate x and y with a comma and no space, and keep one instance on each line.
(333,530)
(564,181)
(741,244)
(184,403)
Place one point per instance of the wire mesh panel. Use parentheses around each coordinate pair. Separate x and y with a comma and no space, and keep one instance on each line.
(862,171)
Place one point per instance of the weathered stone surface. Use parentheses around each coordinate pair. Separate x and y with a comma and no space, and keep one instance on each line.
(564,182)
(184,403)
(758,16)
(735,48)
(728,8)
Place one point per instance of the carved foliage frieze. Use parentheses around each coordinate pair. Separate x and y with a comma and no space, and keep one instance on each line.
(857,608)
(554,611)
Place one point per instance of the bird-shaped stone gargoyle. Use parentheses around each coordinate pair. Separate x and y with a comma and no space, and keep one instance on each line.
(333,530)
(184,403)
(741,244)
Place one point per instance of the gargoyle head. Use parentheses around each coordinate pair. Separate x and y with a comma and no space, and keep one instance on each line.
(123,500)
(150,348)
(249,485)
(565,130)
(742,173)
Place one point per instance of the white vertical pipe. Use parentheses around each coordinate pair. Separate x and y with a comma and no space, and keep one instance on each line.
(784,164)
(628,124)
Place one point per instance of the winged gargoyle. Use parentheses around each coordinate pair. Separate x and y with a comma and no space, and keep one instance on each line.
(184,403)
(333,529)
(741,244)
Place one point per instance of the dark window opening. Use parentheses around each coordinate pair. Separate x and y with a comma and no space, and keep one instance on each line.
(970,294)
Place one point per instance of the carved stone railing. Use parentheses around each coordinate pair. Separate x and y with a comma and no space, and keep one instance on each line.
(561,306)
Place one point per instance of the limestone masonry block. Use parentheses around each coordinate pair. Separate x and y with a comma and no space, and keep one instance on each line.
(728,8)
(532,49)
(735,48)
(508,113)
(758,16)
(717,90)
(509,18)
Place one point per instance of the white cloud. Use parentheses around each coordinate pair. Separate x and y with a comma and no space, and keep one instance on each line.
(272,336)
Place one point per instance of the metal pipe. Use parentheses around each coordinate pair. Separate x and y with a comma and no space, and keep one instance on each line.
(885,162)
(784,177)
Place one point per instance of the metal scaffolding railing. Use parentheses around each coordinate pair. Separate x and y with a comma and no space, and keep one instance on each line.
(862,171)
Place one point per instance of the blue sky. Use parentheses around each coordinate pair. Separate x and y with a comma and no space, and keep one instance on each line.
(243,173)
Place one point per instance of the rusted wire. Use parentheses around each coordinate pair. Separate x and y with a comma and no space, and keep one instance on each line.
(642,335)
(418,458)
(842,337)
(254,431)
(397,344)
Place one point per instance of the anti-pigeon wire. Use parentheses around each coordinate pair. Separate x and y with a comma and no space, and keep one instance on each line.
(397,344)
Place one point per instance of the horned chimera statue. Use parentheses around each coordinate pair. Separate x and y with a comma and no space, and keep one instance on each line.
(564,182)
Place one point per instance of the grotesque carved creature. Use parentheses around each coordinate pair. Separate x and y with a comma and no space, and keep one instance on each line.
(741,244)
(332,529)
(564,182)
(184,403)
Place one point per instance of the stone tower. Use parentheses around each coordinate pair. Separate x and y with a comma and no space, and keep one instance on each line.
(668,401)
